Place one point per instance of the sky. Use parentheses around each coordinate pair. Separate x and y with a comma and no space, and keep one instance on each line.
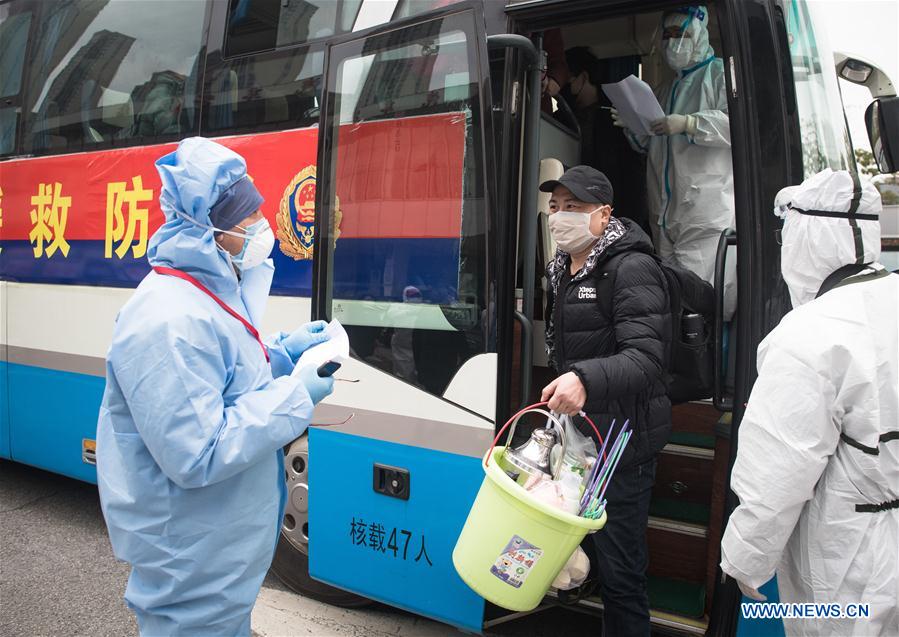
(870,29)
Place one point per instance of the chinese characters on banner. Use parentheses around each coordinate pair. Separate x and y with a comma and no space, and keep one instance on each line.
(51,212)
(375,537)
(120,229)
(48,221)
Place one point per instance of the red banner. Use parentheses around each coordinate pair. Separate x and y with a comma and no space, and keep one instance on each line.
(396,179)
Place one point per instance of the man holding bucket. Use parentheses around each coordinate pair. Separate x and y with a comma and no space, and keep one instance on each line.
(607,334)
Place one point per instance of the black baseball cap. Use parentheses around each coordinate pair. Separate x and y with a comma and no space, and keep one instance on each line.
(587,184)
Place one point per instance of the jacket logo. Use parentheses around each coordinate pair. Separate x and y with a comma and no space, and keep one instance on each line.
(584,292)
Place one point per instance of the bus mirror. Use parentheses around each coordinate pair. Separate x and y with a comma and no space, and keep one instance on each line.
(856,71)
(882,121)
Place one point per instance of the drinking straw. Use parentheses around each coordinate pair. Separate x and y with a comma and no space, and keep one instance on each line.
(593,502)
(615,466)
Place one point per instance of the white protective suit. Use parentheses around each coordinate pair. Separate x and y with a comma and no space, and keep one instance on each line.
(689,176)
(817,471)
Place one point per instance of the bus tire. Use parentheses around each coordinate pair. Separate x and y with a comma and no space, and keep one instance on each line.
(291,566)
(291,562)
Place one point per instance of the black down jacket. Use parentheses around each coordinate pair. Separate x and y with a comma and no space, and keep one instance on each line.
(612,327)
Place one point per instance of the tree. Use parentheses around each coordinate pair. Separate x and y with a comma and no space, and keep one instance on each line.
(865,160)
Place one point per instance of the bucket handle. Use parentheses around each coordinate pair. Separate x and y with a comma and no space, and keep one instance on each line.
(535,408)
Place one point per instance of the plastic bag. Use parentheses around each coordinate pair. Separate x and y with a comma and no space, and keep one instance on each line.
(575,571)
(580,450)
(555,493)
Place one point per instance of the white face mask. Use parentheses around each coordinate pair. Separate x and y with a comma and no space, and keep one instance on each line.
(679,53)
(571,230)
(258,243)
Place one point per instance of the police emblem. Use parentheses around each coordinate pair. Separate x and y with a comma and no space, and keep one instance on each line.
(296,218)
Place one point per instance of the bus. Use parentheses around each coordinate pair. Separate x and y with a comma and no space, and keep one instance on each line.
(398,145)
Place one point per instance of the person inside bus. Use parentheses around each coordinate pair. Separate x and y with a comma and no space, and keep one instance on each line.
(817,470)
(196,409)
(689,171)
(608,329)
(601,146)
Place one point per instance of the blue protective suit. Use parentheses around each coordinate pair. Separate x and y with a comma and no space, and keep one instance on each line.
(193,420)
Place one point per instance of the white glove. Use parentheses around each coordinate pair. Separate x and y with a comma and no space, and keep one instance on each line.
(616,119)
(750,592)
(674,124)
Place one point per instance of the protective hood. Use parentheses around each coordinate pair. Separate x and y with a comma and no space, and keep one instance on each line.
(693,49)
(819,233)
(194,176)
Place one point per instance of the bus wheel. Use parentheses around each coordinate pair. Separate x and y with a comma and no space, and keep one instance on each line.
(291,563)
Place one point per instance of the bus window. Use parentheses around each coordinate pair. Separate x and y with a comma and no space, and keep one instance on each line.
(273,90)
(822,123)
(13,40)
(113,73)
(263,25)
(408,269)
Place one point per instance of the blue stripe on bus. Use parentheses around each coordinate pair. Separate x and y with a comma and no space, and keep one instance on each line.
(52,413)
(432,265)
(442,489)
(4,412)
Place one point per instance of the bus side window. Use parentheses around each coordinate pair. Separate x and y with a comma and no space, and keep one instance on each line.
(103,74)
(13,39)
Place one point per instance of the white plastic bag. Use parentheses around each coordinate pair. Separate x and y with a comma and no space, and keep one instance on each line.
(575,571)
(580,450)
(554,493)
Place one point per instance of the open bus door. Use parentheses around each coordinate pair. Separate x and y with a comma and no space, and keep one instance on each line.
(403,259)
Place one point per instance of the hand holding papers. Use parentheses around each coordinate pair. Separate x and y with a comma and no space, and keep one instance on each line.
(336,348)
(636,103)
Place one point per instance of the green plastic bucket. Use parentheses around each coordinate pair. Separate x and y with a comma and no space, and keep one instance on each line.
(512,547)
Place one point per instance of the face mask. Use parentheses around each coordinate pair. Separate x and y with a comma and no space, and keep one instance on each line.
(679,53)
(257,245)
(571,230)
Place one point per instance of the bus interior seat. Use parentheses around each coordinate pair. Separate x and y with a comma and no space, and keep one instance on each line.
(113,113)
(550,168)
(116,109)
(276,109)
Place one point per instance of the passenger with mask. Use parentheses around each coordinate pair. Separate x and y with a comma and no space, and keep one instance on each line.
(608,330)
(197,409)
(689,171)
(817,471)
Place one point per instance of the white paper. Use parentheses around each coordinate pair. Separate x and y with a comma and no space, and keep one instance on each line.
(336,348)
(636,103)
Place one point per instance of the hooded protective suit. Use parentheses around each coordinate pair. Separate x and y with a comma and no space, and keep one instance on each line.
(193,419)
(690,175)
(817,471)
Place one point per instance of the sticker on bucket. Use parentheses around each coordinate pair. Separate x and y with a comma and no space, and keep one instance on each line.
(516,561)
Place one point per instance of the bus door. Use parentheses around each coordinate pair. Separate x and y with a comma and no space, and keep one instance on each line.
(403,259)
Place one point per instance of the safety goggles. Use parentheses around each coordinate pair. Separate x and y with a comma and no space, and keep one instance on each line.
(675,32)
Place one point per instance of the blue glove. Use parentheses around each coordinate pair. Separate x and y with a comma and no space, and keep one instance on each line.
(304,337)
(317,386)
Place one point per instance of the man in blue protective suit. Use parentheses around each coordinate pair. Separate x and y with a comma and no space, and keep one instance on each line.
(197,409)
(689,171)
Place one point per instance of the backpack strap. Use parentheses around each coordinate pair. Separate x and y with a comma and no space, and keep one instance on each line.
(838,275)
(846,276)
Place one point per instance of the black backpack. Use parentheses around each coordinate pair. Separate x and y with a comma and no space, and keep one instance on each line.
(691,360)
(691,354)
